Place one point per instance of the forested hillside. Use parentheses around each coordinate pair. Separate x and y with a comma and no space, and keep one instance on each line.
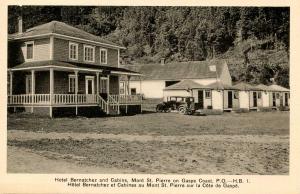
(254,40)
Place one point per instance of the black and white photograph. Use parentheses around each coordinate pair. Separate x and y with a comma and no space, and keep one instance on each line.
(185,90)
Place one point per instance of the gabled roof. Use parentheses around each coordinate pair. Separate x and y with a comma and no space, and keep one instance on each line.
(179,70)
(60,28)
(185,85)
(72,65)
(278,88)
(263,87)
(221,86)
(246,86)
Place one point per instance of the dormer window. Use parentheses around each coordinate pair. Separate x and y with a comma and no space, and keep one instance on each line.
(89,53)
(73,51)
(29,50)
(103,56)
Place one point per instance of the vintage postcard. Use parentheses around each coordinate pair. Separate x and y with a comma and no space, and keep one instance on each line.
(133,97)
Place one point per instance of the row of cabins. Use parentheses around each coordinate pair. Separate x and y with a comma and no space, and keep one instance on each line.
(224,97)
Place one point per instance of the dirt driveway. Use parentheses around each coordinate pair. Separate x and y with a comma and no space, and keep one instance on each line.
(242,149)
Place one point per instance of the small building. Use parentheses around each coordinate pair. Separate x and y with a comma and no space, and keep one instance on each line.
(250,97)
(157,77)
(216,95)
(280,96)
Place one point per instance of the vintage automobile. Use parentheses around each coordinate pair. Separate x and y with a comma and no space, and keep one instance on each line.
(183,104)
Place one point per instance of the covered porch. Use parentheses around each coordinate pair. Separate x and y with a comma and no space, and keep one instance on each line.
(61,84)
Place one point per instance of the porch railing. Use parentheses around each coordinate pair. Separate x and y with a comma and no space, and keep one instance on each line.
(28,99)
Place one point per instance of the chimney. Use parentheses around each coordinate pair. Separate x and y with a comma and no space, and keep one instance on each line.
(162,61)
(20,25)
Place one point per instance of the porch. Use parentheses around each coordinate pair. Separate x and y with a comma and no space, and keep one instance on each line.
(55,87)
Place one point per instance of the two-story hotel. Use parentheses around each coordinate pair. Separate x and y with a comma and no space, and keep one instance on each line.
(54,66)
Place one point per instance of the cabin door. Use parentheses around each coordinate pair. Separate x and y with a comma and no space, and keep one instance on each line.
(286,102)
(89,89)
(273,99)
(254,99)
(229,99)
(200,99)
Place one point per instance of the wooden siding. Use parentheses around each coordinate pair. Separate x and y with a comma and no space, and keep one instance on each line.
(41,50)
(61,52)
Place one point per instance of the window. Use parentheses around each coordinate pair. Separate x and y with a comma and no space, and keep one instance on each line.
(277,95)
(122,87)
(29,50)
(73,51)
(207,94)
(259,95)
(103,56)
(28,84)
(103,84)
(72,84)
(236,95)
(89,53)
(133,91)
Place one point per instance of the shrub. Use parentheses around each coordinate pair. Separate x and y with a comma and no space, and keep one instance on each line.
(212,111)
(265,109)
(241,110)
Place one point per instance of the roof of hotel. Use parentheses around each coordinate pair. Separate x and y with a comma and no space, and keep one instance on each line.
(179,70)
(62,29)
(246,86)
(185,85)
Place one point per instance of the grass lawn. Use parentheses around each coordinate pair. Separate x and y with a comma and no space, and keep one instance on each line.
(247,143)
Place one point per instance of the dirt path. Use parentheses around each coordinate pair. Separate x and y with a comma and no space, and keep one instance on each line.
(23,160)
(28,135)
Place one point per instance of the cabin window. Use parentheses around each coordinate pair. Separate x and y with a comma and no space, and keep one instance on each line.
(73,51)
(133,91)
(103,84)
(122,87)
(72,84)
(277,95)
(259,95)
(89,53)
(103,56)
(29,50)
(236,95)
(207,94)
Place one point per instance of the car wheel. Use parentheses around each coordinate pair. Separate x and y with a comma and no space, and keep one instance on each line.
(182,110)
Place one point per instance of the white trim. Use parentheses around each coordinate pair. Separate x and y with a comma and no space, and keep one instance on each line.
(89,46)
(103,49)
(118,57)
(87,78)
(27,43)
(76,45)
(70,37)
(51,47)
(72,76)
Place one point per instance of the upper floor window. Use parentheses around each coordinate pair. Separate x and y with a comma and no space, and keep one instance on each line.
(29,50)
(89,53)
(103,56)
(73,51)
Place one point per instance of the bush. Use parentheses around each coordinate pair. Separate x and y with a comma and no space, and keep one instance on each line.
(240,110)
(212,111)
(265,109)
(284,108)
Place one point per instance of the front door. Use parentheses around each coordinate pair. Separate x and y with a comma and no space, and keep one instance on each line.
(229,99)
(254,99)
(200,99)
(273,99)
(286,102)
(89,89)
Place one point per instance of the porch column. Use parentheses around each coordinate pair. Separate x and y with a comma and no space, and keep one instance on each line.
(32,88)
(107,89)
(128,84)
(10,82)
(97,84)
(51,90)
(76,90)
